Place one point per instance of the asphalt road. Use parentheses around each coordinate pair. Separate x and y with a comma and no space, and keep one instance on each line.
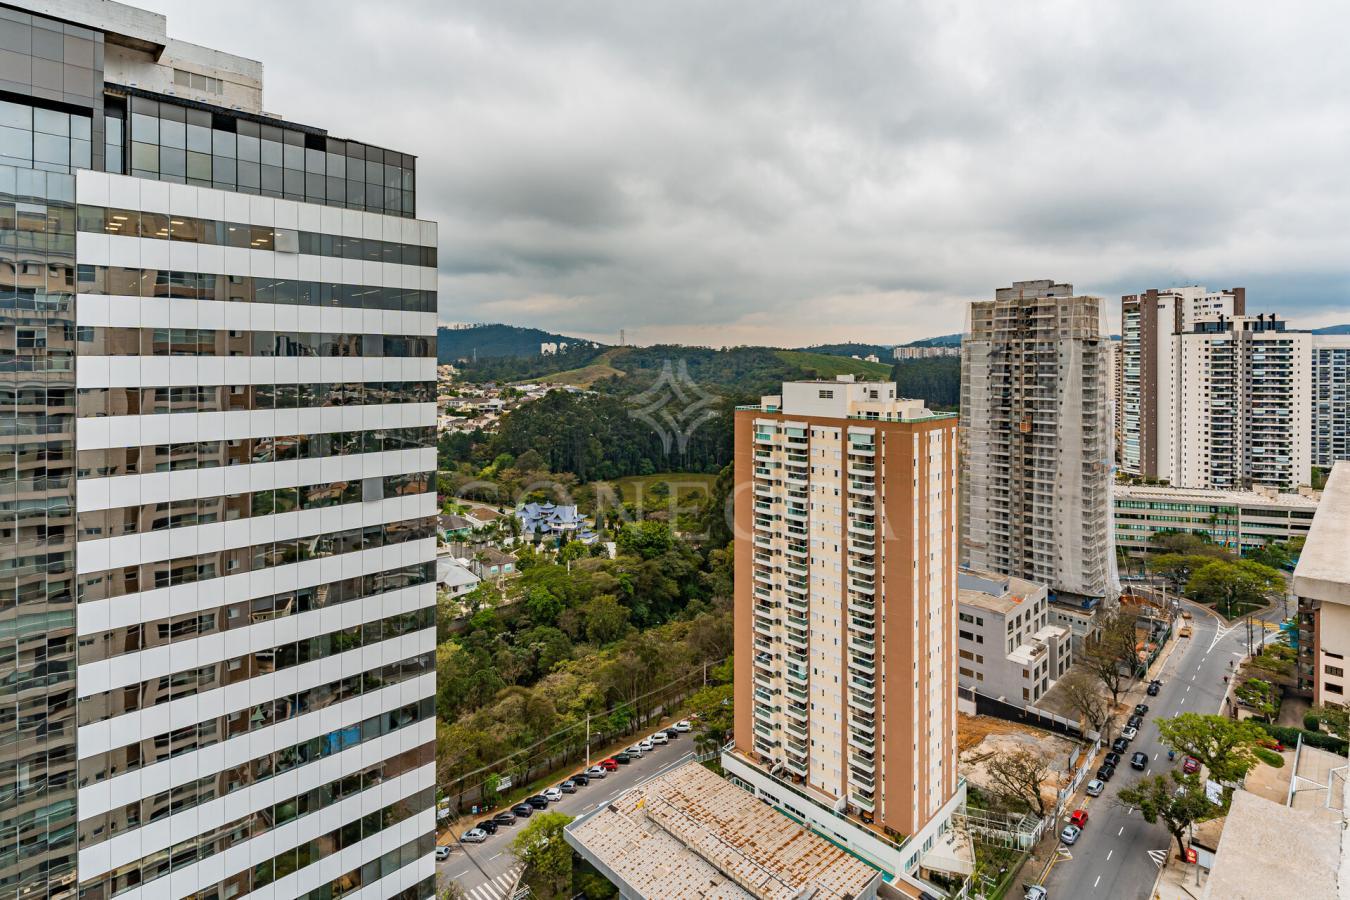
(1112,857)
(487,871)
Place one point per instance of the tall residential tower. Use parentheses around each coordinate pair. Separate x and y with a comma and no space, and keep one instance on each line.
(217,336)
(1036,439)
(845,609)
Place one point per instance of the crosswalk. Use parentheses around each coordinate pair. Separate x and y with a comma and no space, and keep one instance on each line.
(498,888)
(1159,857)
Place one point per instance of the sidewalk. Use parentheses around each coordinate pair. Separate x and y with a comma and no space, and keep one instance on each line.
(1176,881)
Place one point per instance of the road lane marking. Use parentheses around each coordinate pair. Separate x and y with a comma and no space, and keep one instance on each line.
(1183,700)
(490,858)
(1108,855)
(1188,688)
(460,875)
(1121,831)
(1149,772)
(1155,756)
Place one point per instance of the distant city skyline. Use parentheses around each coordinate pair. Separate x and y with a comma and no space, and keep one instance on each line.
(795,174)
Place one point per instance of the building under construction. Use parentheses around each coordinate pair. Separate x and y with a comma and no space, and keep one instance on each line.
(1035,496)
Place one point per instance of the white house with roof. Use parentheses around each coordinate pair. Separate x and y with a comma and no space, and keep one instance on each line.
(1006,648)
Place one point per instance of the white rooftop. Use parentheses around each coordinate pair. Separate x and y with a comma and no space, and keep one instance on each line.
(1323,571)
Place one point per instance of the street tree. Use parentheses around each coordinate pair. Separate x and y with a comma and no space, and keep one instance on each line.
(1223,745)
(714,721)
(1262,696)
(1111,657)
(1085,695)
(1234,586)
(546,854)
(1020,775)
(1334,717)
(1177,801)
(1176,567)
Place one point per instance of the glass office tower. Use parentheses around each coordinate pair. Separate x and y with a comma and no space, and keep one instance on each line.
(217,338)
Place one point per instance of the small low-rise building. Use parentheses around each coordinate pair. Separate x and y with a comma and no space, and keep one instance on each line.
(1007,647)
(1239,520)
(454,576)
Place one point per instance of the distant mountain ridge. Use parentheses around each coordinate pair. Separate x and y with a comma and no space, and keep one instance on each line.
(1333,329)
(483,341)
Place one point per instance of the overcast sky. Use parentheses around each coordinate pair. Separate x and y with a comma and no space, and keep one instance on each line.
(800,172)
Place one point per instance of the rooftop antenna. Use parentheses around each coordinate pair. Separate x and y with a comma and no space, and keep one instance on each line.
(622,341)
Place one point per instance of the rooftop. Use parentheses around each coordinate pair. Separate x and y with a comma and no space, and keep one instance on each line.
(1256,853)
(993,592)
(690,834)
(1206,495)
(1323,571)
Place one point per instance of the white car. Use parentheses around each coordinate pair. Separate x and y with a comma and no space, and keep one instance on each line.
(442,852)
(596,772)
(646,745)
(660,738)
(635,750)
(473,836)
(683,726)
(553,795)
(1129,733)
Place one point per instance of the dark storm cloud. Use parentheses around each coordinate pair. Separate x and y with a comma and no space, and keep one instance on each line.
(795,172)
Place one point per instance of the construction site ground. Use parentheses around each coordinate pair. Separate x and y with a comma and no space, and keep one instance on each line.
(978,738)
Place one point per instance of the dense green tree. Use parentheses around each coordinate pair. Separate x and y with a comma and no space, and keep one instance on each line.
(646,539)
(1233,587)
(1175,800)
(1222,744)
(936,380)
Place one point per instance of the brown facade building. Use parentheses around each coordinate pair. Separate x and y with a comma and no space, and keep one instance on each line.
(845,616)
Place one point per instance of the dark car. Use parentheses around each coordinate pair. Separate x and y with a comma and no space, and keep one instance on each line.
(568,787)
(506,817)
(1112,759)
(672,733)
(1105,773)
(1139,761)
(1154,687)
(622,759)
(1119,745)
(1141,709)
(488,825)
(581,779)
(523,810)
(1135,721)
(538,801)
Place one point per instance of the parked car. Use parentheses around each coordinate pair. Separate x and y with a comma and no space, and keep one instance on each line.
(1272,744)
(1141,709)
(1079,817)
(634,751)
(646,745)
(1036,892)
(1119,745)
(487,825)
(538,801)
(1139,761)
(660,738)
(523,810)
(442,852)
(682,726)
(581,779)
(553,795)
(1191,765)
(1095,788)
(1135,722)
(671,733)
(1129,732)
(505,817)
(474,836)
(568,787)
(598,771)
(609,765)
(1105,772)
(1070,834)
(1153,688)
(1111,759)
(622,758)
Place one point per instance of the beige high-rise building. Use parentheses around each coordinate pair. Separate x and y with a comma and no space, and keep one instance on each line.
(1036,440)
(845,618)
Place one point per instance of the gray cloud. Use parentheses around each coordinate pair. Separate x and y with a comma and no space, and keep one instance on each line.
(793,172)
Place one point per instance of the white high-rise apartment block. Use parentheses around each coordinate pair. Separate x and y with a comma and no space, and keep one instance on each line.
(845,615)
(1331,398)
(1036,439)
(219,598)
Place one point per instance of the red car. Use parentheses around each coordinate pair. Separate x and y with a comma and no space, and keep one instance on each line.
(1079,817)
(609,765)
(1191,765)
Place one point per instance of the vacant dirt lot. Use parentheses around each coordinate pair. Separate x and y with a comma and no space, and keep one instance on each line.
(978,738)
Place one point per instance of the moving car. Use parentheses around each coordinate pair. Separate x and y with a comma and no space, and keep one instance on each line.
(1119,744)
(1095,788)
(538,801)
(505,817)
(1079,817)
(1141,709)
(1139,761)
(1153,687)
(682,726)
(553,795)
(660,738)
(1185,631)
(487,825)
(1129,732)
(598,771)
(474,836)
(1185,614)
(1135,722)
(1070,834)
(1191,765)
(646,745)
(1105,772)
(568,787)
(1111,759)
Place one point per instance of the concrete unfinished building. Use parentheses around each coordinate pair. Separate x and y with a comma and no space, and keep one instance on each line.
(1036,439)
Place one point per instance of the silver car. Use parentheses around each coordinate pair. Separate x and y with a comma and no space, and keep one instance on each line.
(1095,787)
(1070,834)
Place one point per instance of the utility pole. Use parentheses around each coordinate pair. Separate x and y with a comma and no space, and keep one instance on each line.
(588,740)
